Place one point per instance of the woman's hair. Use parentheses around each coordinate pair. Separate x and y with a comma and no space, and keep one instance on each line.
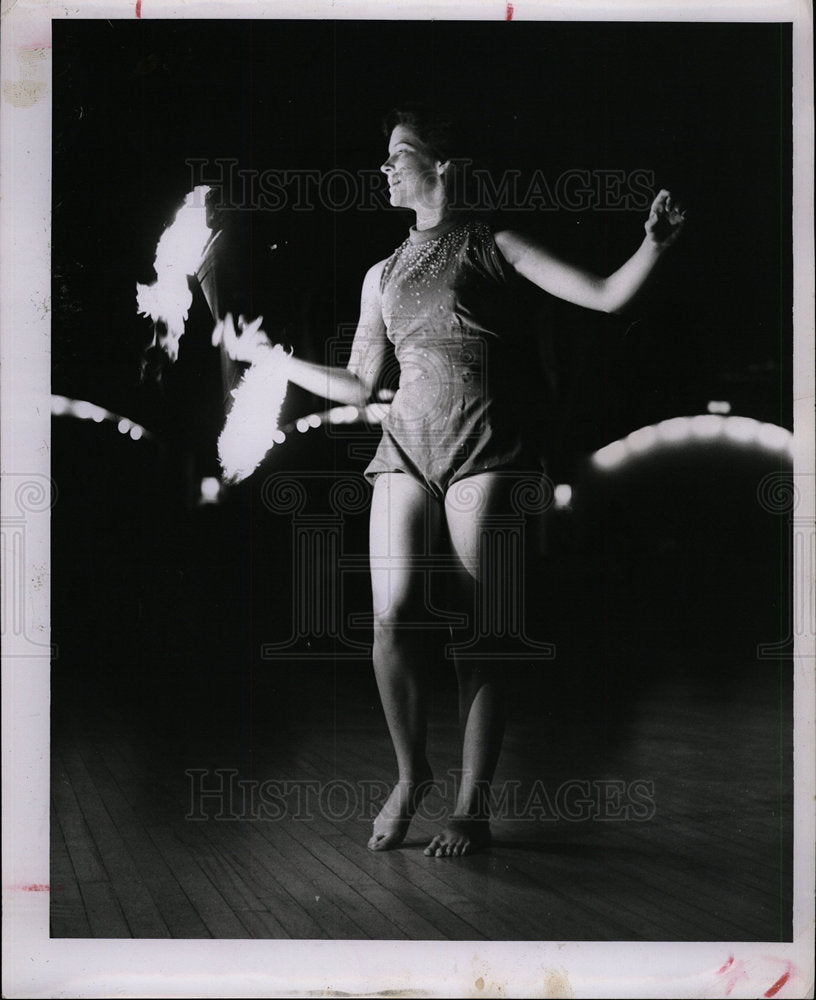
(442,132)
(436,129)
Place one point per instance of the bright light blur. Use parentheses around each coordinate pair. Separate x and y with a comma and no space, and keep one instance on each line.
(278,437)
(642,440)
(740,429)
(704,427)
(178,254)
(772,436)
(676,429)
(252,422)
(210,489)
(718,406)
(314,420)
(302,425)
(707,425)
(612,455)
(342,415)
(562,495)
(375,412)
(82,409)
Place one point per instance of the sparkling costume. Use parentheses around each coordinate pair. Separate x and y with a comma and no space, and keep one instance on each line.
(449,310)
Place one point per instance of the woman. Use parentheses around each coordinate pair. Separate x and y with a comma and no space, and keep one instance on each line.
(454,431)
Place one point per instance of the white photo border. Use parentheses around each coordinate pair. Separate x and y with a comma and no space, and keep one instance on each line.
(36,965)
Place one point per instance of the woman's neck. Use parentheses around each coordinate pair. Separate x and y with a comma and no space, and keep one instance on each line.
(430,216)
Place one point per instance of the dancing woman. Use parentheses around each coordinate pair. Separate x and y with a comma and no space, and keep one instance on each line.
(441,304)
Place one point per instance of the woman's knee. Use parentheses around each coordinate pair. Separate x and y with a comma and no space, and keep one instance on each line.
(394,627)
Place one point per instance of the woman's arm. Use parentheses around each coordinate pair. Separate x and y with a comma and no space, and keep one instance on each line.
(566,281)
(351,385)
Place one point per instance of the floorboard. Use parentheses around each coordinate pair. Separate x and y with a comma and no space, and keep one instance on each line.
(711,861)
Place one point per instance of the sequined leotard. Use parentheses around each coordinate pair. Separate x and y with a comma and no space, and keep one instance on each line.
(448,308)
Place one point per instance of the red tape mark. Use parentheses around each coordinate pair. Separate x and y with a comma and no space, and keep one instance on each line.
(138,8)
(777,986)
(727,965)
(509,15)
(32,887)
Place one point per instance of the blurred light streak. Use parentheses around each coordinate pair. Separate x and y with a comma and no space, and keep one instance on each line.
(81,409)
(705,427)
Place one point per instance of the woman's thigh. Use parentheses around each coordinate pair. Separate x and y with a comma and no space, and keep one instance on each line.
(404,531)
(479,510)
(488,517)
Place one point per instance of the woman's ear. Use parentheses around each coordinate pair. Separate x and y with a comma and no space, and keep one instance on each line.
(441,168)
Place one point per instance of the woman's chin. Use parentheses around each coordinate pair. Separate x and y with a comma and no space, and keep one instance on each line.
(397,199)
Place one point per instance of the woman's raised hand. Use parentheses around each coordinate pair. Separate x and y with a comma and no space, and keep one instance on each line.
(666,219)
(247,343)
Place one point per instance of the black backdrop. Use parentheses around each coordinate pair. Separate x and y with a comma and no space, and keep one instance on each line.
(704,107)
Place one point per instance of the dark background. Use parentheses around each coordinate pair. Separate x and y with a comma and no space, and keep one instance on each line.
(704,107)
(165,604)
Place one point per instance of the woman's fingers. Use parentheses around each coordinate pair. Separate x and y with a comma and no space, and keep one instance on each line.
(249,328)
(666,218)
(664,203)
(229,336)
(660,200)
(240,347)
(224,333)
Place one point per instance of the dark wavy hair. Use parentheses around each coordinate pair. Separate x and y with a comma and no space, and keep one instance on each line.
(445,135)
(438,129)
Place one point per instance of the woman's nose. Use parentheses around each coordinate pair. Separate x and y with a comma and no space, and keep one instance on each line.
(387,167)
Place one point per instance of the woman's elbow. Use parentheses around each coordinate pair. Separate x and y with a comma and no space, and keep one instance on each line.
(603,300)
(359,391)
(609,299)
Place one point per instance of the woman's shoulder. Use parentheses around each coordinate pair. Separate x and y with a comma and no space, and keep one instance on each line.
(372,282)
(497,223)
(491,237)
(374,273)
(493,232)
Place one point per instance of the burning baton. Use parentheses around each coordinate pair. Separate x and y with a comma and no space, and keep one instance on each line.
(186,249)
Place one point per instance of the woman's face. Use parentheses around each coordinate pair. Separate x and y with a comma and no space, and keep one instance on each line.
(414,173)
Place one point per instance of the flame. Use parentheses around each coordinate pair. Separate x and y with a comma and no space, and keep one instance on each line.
(251,428)
(178,254)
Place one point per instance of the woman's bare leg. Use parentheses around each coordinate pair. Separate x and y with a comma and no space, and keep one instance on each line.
(482,682)
(404,521)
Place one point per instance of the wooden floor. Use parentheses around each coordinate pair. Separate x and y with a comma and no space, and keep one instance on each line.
(712,862)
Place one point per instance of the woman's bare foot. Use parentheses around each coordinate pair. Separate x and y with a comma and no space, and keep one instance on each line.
(461,835)
(393,820)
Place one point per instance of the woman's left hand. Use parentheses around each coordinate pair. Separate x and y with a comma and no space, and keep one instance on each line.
(246,344)
(666,219)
